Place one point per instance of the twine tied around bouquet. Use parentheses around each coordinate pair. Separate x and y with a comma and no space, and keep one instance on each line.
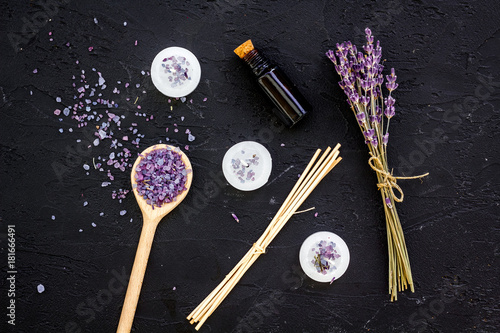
(389,181)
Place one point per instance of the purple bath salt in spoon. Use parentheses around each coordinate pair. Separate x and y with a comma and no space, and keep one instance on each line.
(161,178)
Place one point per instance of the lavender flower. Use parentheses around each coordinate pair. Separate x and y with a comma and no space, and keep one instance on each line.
(331,55)
(385,138)
(361,117)
(364,100)
(361,79)
(375,119)
(389,101)
(369,134)
(389,112)
(391,81)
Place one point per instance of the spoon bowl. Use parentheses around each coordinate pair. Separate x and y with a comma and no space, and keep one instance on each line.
(151,218)
(159,212)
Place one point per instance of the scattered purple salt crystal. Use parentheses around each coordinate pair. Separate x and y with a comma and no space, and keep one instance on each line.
(85,203)
(135,42)
(125,138)
(316,214)
(95,20)
(86,166)
(282,145)
(205,99)
(235,217)
(101,214)
(57,112)
(101,79)
(186,147)
(53,217)
(91,48)
(183,99)
(191,137)
(96,142)
(61,130)
(58,99)
(80,230)
(123,212)
(93,224)
(124,24)
(40,288)
(35,71)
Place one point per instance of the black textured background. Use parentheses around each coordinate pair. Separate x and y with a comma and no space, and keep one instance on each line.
(446,55)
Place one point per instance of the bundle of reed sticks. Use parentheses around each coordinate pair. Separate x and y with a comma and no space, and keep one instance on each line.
(310,178)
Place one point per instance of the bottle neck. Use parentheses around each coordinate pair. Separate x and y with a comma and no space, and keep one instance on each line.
(257,62)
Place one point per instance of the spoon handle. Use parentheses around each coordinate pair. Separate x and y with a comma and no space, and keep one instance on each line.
(137,275)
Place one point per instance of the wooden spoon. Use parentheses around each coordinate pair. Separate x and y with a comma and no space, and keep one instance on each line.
(151,218)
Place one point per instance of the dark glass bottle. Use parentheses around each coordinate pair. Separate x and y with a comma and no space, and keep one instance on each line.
(291,104)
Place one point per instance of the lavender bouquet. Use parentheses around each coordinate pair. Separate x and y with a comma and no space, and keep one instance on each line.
(361,80)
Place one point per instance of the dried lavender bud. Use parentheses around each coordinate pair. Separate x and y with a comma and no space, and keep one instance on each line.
(385,138)
(361,117)
(388,203)
(389,111)
(369,134)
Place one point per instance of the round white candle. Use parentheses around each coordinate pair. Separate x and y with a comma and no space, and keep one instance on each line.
(175,72)
(247,165)
(331,250)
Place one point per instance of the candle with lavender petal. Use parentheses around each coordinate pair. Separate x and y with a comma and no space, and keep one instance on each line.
(247,165)
(175,72)
(324,256)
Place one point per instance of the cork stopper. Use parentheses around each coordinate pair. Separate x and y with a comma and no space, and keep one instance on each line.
(244,48)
